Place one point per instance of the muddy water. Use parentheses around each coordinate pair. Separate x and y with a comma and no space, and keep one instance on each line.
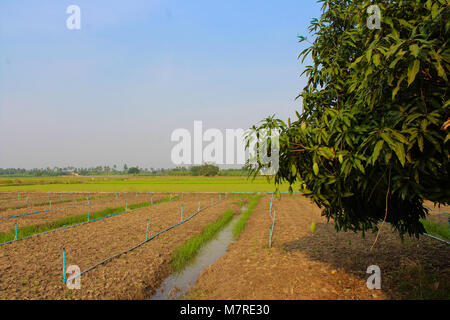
(178,284)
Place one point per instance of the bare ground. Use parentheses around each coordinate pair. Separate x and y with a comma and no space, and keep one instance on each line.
(14,203)
(32,268)
(68,209)
(326,265)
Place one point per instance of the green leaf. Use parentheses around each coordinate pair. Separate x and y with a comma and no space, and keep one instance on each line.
(437,64)
(347,195)
(388,139)
(369,55)
(397,88)
(388,157)
(316,168)
(359,165)
(376,60)
(294,170)
(313,227)
(376,151)
(412,71)
(400,152)
(440,70)
(420,143)
(414,48)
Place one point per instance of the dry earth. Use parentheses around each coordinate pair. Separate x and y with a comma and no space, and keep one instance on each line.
(323,265)
(68,209)
(32,268)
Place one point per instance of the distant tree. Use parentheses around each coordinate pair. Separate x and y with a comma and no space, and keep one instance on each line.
(210,170)
(195,170)
(205,170)
(133,170)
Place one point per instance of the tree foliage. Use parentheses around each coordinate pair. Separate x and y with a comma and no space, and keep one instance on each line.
(133,170)
(370,144)
(205,170)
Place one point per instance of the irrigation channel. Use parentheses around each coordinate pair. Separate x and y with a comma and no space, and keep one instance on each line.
(177,285)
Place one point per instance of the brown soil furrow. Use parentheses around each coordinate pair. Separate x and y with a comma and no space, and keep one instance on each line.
(32,268)
(7,225)
(41,200)
(326,265)
(31,208)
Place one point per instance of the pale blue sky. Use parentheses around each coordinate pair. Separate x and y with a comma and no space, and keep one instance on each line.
(112,92)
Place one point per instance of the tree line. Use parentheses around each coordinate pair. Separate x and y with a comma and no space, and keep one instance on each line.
(203,170)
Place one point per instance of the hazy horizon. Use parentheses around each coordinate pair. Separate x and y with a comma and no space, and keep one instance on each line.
(113,92)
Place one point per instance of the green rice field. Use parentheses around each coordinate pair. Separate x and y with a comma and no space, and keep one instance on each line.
(138,184)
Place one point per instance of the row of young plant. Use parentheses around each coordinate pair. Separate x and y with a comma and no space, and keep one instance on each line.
(187,252)
(58,200)
(33,230)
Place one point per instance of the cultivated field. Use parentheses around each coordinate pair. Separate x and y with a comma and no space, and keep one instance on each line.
(45,213)
(323,265)
(139,184)
(32,268)
(300,264)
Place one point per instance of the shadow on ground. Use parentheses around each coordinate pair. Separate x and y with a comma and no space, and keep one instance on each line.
(410,269)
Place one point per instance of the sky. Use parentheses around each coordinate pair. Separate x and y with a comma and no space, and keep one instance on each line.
(113,91)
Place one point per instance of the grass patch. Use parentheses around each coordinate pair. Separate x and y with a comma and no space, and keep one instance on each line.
(148,204)
(437,230)
(242,222)
(187,252)
(414,282)
(139,184)
(73,220)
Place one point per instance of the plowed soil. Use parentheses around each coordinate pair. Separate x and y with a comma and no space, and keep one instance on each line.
(69,209)
(43,199)
(32,268)
(324,265)
(76,200)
